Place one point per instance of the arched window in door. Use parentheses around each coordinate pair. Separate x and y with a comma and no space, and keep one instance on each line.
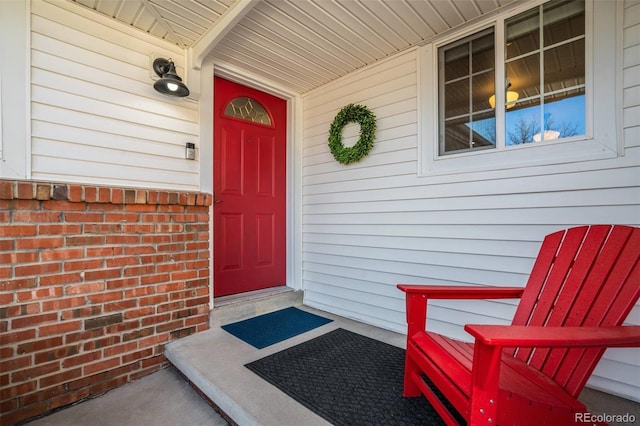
(248,109)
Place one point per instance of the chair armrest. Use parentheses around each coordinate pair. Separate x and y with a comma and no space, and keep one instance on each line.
(417,296)
(491,339)
(540,336)
(462,292)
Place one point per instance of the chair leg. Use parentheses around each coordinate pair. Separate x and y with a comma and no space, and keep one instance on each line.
(411,370)
(483,404)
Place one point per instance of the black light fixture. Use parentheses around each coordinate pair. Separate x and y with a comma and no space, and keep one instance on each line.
(169,83)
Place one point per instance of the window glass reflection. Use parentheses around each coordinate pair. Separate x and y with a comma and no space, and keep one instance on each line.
(551,105)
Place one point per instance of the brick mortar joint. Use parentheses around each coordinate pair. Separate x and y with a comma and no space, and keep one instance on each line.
(81,193)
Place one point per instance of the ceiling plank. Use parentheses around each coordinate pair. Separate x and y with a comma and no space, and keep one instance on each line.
(164,24)
(302,44)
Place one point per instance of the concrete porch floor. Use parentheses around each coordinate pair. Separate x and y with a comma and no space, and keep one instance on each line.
(213,361)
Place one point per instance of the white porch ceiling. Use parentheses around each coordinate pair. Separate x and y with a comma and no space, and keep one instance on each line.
(298,44)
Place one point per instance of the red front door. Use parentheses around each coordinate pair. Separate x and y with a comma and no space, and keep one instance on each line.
(249,163)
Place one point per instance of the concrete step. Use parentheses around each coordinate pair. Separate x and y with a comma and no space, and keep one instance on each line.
(229,309)
(213,363)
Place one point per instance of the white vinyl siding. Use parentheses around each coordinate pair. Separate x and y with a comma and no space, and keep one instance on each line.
(372,224)
(95,115)
(619,369)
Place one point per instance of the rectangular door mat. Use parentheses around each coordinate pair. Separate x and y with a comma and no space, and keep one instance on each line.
(268,329)
(348,379)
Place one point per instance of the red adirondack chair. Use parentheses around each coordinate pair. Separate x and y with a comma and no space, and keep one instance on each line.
(584,282)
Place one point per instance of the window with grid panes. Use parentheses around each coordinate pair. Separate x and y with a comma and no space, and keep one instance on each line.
(542,94)
(534,85)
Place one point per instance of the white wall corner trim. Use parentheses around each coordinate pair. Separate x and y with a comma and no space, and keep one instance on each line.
(1,143)
(16,92)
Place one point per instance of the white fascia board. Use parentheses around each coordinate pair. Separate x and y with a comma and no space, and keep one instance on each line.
(202,47)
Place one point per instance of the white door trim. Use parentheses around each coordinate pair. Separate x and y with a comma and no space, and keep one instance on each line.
(294,159)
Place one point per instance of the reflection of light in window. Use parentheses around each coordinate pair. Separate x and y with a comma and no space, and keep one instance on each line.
(548,135)
(511,98)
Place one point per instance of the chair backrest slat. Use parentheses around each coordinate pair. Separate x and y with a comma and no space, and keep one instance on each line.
(538,277)
(547,279)
(585,276)
(578,291)
(613,312)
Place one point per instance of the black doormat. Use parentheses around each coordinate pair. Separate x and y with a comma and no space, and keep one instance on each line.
(348,379)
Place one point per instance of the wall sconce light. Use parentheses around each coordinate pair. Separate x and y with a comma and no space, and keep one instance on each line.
(169,83)
(511,97)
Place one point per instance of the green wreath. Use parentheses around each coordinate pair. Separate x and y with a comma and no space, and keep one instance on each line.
(352,114)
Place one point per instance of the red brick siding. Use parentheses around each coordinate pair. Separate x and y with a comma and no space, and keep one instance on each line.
(94,281)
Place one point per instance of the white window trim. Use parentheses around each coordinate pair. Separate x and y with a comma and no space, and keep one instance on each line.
(602,140)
